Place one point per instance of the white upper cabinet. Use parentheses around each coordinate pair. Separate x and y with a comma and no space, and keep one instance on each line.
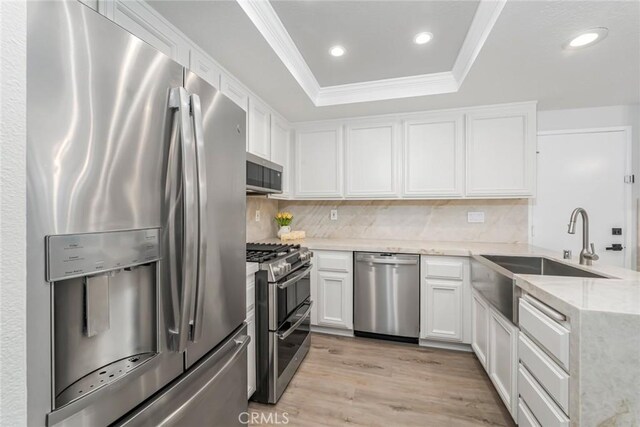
(371,160)
(259,129)
(144,22)
(201,64)
(234,90)
(281,152)
(501,151)
(433,153)
(318,162)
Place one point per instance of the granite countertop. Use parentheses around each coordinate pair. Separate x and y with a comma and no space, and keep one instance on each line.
(618,294)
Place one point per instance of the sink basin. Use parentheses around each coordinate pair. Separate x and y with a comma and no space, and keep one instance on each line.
(540,266)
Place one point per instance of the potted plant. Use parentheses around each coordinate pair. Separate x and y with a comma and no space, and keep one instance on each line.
(284,220)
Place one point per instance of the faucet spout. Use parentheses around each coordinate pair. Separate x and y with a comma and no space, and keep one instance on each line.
(587,254)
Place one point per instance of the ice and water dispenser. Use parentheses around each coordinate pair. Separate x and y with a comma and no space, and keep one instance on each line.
(105,307)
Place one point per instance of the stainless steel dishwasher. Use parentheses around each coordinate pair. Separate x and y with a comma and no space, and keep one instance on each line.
(387,296)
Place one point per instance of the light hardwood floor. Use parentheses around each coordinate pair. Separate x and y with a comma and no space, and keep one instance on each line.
(359,381)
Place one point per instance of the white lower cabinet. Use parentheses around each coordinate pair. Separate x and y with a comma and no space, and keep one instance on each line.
(332,289)
(251,353)
(495,343)
(444,286)
(251,328)
(480,328)
(503,359)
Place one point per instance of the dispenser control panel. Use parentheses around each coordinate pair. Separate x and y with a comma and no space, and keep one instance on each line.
(76,255)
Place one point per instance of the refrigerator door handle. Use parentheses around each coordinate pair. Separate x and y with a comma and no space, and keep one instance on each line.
(182,277)
(201,163)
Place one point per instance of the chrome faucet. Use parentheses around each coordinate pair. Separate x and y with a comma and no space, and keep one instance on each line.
(586,256)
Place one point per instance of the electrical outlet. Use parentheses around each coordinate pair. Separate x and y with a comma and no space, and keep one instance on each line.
(475,217)
(258,215)
(334,214)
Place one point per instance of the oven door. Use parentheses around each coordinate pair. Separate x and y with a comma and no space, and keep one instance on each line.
(287,295)
(290,345)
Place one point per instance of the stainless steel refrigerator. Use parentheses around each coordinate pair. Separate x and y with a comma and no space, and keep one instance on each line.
(136,231)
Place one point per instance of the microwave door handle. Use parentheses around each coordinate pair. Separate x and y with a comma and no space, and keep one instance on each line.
(201,167)
(182,276)
(285,334)
(297,277)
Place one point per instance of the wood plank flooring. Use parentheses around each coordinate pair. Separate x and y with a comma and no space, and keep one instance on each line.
(364,382)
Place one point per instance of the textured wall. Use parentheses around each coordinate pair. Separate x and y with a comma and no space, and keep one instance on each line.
(13,370)
(435,220)
(266,227)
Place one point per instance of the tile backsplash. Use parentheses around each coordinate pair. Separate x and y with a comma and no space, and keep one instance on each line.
(435,220)
(266,227)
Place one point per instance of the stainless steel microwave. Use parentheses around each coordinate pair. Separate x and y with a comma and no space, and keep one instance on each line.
(263,176)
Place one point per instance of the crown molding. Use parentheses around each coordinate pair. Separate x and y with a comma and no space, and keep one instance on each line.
(266,20)
(483,21)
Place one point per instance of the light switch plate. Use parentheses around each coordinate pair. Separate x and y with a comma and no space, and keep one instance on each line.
(475,217)
(334,214)
(258,215)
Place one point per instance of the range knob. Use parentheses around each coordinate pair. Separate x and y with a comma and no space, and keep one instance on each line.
(277,270)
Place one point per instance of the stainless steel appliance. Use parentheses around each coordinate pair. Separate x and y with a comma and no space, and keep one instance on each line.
(135,268)
(283,315)
(263,176)
(386,296)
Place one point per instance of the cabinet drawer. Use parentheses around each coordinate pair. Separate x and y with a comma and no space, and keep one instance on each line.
(525,417)
(551,376)
(334,262)
(538,401)
(547,332)
(436,269)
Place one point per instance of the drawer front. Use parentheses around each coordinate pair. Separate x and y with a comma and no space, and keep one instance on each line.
(443,269)
(548,373)
(525,417)
(550,334)
(332,261)
(538,401)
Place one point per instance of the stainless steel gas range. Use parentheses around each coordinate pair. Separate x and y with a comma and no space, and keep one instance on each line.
(283,315)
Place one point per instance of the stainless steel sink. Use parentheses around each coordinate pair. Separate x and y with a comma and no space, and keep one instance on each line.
(539,266)
(493,277)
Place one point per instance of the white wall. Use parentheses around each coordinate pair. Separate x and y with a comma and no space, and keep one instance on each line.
(617,115)
(13,55)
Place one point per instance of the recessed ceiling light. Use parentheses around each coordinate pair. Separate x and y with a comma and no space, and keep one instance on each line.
(587,38)
(337,51)
(422,38)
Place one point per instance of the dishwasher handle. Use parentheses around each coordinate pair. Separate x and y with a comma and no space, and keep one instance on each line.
(390,260)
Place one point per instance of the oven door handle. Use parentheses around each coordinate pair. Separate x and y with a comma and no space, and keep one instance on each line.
(294,279)
(285,334)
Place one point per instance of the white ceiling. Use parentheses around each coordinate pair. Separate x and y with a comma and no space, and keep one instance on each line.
(378,36)
(522,59)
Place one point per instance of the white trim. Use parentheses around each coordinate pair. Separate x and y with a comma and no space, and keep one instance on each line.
(332,331)
(485,18)
(456,346)
(629,237)
(266,20)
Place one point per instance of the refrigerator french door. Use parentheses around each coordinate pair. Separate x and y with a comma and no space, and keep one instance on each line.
(135,289)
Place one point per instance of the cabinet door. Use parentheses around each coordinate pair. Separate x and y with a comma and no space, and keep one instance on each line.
(144,22)
(318,165)
(259,129)
(205,67)
(281,153)
(443,310)
(335,305)
(480,328)
(501,150)
(503,359)
(234,91)
(370,160)
(433,152)
(251,354)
